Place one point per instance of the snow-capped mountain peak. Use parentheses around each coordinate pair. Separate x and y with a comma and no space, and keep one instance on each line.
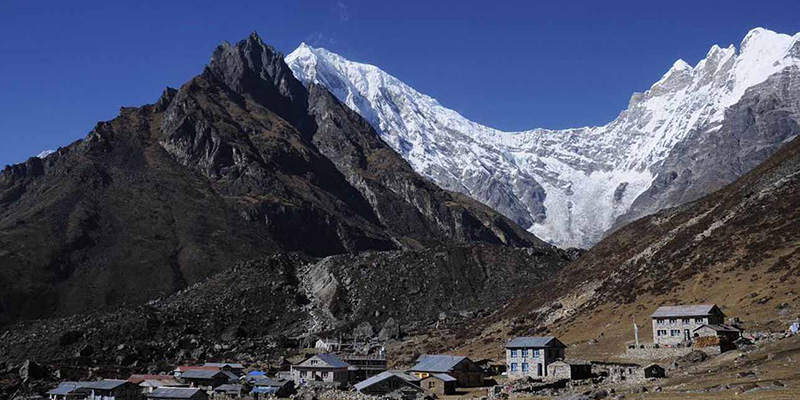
(566,186)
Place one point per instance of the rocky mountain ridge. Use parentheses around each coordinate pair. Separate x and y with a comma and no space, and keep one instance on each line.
(573,186)
(242,161)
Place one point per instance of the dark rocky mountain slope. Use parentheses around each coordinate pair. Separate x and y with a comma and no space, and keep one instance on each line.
(257,310)
(241,162)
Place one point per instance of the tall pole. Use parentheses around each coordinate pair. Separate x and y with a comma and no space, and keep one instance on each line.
(636,333)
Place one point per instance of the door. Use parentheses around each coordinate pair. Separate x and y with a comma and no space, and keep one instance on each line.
(539,369)
(687,336)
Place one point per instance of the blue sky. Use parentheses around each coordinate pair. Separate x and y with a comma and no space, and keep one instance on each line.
(509,64)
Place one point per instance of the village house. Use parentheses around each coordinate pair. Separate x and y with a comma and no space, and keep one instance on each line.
(177,372)
(462,368)
(327,345)
(112,389)
(235,368)
(674,325)
(441,384)
(178,394)
(530,356)
(231,390)
(491,367)
(69,391)
(207,380)
(320,368)
(148,383)
(363,366)
(265,386)
(388,382)
(573,370)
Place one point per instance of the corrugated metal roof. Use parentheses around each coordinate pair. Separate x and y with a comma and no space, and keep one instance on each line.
(534,341)
(66,387)
(221,365)
(437,363)
(105,384)
(173,393)
(230,387)
(383,376)
(332,360)
(265,389)
(201,374)
(719,328)
(445,377)
(690,310)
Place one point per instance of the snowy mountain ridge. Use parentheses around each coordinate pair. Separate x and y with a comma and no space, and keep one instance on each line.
(566,186)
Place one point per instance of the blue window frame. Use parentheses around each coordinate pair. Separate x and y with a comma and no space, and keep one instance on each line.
(513,366)
(525,353)
(536,353)
(513,353)
(526,367)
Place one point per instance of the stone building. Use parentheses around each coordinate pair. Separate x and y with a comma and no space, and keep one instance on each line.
(390,382)
(441,384)
(673,325)
(573,370)
(530,356)
(112,389)
(320,368)
(206,379)
(462,368)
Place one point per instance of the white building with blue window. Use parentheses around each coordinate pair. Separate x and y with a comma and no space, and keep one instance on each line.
(529,356)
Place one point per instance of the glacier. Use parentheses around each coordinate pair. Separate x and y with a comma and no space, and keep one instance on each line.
(568,186)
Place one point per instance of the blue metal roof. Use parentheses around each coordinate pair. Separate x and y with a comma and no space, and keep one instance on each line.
(530,341)
(437,363)
(256,373)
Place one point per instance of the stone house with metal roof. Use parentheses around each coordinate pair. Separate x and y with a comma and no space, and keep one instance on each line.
(530,356)
(320,368)
(207,380)
(674,325)
(390,382)
(441,384)
(462,368)
(112,389)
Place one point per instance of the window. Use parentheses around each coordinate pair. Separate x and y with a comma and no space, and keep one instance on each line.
(525,353)
(686,320)
(675,332)
(536,353)
(513,366)
(513,353)
(698,320)
(662,332)
(660,321)
(525,367)
(673,321)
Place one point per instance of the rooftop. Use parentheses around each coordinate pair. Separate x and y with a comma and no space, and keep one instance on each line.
(691,310)
(173,393)
(105,384)
(534,341)
(437,363)
(383,376)
(201,374)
